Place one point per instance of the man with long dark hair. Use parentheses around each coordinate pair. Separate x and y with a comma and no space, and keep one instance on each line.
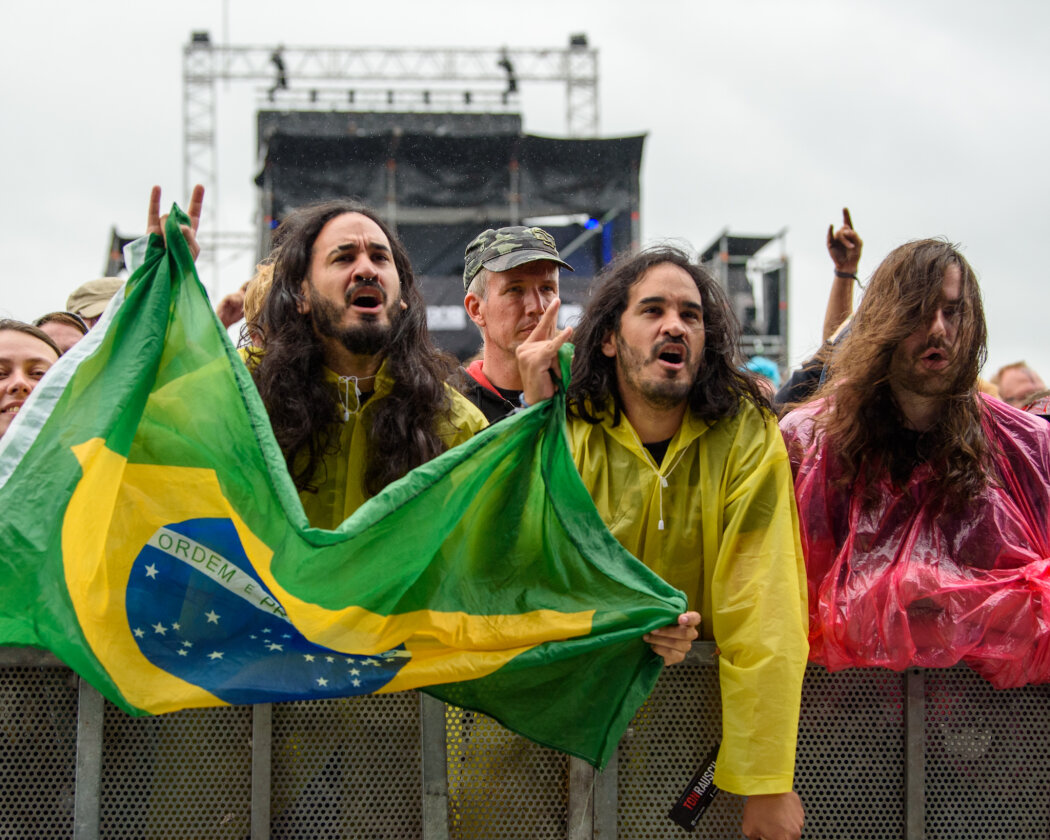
(923,503)
(681,454)
(352,383)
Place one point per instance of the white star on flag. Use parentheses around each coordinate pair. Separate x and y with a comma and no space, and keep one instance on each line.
(176,626)
(215,654)
(182,651)
(138,632)
(354,672)
(329,659)
(151,571)
(212,616)
(309,657)
(273,646)
(321,681)
(160,628)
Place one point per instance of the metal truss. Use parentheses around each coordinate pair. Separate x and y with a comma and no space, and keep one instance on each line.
(367,77)
(348,64)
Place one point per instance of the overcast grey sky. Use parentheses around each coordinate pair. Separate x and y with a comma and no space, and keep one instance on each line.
(925,118)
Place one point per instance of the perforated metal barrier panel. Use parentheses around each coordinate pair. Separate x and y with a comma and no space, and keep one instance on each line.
(850,760)
(182,775)
(38,741)
(987,758)
(935,754)
(347,768)
(501,785)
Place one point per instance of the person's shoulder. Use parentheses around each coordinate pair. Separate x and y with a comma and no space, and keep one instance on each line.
(597,434)
(462,381)
(489,403)
(463,414)
(749,419)
(1013,422)
(801,421)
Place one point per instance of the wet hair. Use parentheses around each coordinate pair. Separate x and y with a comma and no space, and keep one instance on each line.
(863,424)
(721,382)
(257,289)
(70,319)
(10,325)
(289,372)
(255,292)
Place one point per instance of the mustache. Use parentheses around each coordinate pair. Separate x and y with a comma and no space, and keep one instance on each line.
(662,345)
(935,344)
(366,283)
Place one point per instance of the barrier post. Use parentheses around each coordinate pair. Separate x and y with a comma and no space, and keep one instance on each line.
(86,802)
(915,755)
(435,770)
(262,769)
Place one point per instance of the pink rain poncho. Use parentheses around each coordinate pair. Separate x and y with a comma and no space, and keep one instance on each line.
(903,584)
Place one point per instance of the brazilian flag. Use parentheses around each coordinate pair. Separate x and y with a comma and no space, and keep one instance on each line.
(152,539)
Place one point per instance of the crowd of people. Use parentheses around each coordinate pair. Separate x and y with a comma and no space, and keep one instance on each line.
(883,508)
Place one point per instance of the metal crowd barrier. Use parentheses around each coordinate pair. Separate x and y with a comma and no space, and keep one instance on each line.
(924,754)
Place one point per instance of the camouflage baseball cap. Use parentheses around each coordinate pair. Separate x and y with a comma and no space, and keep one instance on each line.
(509,247)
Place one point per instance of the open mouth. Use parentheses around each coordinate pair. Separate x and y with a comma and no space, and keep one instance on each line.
(935,358)
(11,409)
(671,356)
(369,298)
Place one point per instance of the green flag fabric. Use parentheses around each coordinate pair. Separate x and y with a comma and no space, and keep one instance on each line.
(152,539)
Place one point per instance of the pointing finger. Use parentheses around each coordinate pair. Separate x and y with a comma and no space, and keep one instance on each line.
(547,325)
(846,220)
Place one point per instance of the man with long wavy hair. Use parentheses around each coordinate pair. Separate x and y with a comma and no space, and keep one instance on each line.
(681,453)
(924,504)
(353,385)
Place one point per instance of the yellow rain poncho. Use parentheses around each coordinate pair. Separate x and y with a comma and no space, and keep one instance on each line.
(717,520)
(341,487)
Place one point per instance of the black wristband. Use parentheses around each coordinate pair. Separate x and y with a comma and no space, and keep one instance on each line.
(846,275)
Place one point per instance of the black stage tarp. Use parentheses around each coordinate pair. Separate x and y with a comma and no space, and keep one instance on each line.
(439,191)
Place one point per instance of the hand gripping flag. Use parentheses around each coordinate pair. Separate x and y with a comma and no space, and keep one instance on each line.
(152,539)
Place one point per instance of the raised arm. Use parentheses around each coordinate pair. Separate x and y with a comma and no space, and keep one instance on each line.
(231,308)
(844,248)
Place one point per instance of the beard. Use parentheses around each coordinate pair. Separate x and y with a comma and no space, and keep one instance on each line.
(906,373)
(661,393)
(368,338)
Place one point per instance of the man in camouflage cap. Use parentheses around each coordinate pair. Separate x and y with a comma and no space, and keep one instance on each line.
(510,277)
